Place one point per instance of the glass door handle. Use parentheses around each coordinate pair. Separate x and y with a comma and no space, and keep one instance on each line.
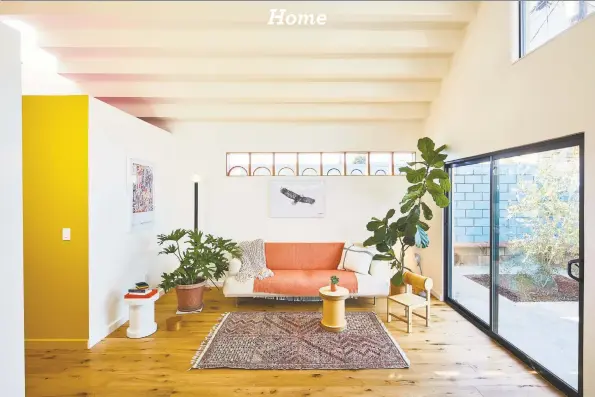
(571,263)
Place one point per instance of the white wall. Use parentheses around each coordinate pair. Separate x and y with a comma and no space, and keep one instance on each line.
(119,256)
(235,207)
(12,365)
(488,103)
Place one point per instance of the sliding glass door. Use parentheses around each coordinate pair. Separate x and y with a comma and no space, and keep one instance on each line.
(514,252)
(470,203)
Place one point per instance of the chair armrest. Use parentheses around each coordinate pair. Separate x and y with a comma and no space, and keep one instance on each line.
(380,269)
(234,267)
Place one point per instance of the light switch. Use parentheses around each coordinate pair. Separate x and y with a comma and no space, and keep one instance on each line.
(66,234)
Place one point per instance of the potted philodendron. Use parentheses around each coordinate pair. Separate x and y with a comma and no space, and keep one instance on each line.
(334,282)
(203,258)
(393,239)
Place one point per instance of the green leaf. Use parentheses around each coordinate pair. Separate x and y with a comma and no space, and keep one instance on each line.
(409,240)
(412,219)
(170,249)
(427,211)
(445,184)
(414,176)
(407,206)
(410,196)
(390,214)
(380,234)
(439,164)
(410,230)
(421,238)
(175,236)
(413,216)
(434,188)
(441,200)
(415,188)
(441,148)
(370,242)
(382,247)
(423,225)
(397,279)
(382,257)
(437,174)
(401,223)
(425,145)
(373,225)
(391,237)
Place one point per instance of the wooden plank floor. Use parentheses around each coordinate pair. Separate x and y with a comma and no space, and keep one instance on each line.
(452,358)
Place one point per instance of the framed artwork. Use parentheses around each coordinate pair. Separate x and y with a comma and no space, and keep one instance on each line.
(296,199)
(142,191)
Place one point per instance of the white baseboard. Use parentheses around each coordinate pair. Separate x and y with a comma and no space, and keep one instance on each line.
(108,330)
(438,295)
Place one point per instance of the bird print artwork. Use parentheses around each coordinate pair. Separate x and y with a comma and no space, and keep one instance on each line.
(297,198)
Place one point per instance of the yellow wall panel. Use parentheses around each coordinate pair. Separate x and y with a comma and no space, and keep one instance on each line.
(55,196)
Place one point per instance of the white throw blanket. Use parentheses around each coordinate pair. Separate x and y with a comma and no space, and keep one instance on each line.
(254,263)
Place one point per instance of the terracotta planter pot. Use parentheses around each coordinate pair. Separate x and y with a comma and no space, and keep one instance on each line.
(190,297)
(401,289)
(333,287)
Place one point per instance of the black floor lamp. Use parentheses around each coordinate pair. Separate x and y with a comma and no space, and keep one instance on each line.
(196,180)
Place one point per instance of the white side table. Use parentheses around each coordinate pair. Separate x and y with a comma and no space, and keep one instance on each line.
(142,316)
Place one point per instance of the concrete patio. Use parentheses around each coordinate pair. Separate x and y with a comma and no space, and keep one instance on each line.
(545,331)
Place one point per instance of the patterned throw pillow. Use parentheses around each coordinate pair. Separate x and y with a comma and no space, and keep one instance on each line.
(356,259)
(254,264)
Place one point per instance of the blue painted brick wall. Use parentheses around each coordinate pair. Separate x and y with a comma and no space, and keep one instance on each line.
(471,197)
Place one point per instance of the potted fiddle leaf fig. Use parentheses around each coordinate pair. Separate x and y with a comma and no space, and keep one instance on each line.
(393,239)
(203,258)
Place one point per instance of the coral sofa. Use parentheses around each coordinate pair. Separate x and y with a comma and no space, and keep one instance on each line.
(300,269)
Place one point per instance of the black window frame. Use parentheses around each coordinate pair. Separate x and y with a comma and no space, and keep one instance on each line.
(557,143)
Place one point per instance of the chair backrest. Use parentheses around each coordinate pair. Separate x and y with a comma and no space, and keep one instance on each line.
(418,281)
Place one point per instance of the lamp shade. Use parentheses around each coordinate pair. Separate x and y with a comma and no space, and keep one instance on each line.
(196,178)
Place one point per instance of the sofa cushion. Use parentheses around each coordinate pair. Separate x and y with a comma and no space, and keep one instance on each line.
(304,282)
(367,286)
(303,256)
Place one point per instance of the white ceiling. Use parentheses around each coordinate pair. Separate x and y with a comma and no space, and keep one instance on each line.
(220,61)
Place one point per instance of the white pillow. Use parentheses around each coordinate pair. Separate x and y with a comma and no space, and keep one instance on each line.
(347,246)
(356,259)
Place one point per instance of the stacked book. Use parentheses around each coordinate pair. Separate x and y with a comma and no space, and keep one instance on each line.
(141,290)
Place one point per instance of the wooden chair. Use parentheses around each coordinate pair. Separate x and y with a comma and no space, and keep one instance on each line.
(412,301)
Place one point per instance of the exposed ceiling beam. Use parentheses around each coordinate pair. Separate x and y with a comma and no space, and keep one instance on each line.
(202,61)
(250,112)
(280,92)
(259,68)
(263,41)
(162,13)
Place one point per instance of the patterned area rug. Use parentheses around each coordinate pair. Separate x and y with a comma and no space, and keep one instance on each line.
(295,340)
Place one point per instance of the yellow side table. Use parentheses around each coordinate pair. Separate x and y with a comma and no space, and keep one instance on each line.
(333,308)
